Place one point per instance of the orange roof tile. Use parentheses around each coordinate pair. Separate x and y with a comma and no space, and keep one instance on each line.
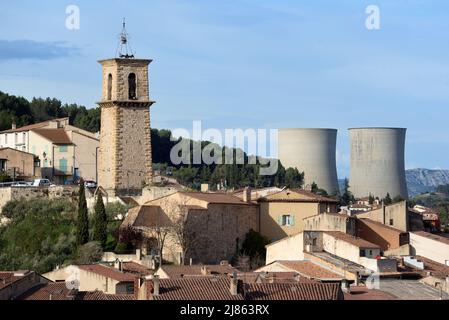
(108,272)
(356,241)
(310,270)
(293,291)
(56,136)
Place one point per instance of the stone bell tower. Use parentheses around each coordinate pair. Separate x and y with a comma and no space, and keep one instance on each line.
(124,161)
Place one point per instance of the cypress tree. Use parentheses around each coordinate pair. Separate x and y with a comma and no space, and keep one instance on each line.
(100,222)
(388,200)
(82,224)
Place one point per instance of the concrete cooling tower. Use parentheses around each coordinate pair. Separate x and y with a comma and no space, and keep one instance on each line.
(311,151)
(377,162)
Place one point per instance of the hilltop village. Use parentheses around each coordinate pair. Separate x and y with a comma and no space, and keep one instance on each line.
(310,241)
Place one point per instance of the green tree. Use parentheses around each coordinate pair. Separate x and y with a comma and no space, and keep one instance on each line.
(371,199)
(387,199)
(100,221)
(346,197)
(82,223)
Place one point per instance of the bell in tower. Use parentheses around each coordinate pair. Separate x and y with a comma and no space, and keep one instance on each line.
(125,136)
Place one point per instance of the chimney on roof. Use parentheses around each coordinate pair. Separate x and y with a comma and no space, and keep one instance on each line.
(156,285)
(345,286)
(138,254)
(224,263)
(205,271)
(13,126)
(53,124)
(247,195)
(234,284)
(118,265)
(204,187)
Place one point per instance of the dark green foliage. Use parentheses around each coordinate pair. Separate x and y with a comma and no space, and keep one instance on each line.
(315,189)
(130,237)
(252,253)
(121,248)
(347,196)
(82,223)
(387,199)
(371,199)
(443,189)
(254,244)
(39,236)
(88,253)
(111,243)
(397,199)
(24,112)
(100,221)
(4,177)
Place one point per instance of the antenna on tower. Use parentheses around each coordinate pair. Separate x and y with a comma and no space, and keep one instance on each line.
(124,49)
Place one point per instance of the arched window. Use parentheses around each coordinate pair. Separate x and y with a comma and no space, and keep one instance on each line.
(110,87)
(132,86)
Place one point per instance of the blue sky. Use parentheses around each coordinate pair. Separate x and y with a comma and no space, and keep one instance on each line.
(250,64)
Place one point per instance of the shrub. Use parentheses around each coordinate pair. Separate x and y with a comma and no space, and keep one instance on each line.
(121,248)
(89,253)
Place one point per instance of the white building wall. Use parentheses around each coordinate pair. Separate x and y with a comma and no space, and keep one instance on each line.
(429,248)
(289,248)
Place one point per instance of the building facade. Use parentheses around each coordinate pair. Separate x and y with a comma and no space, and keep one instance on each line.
(282,214)
(64,152)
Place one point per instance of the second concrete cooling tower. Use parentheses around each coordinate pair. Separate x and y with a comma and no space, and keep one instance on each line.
(311,151)
(377,162)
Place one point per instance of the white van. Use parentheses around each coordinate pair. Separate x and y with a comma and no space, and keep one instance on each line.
(41,183)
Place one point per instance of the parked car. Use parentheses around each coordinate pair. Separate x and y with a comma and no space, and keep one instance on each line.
(90,184)
(41,183)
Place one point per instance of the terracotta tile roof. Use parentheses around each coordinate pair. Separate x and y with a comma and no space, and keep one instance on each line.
(356,241)
(310,270)
(432,236)
(100,295)
(108,272)
(293,291)
(129,201)
(297,195)
(379,224)
(215,198)
(32,126)
(136,268)
(267,277)
(195,270)
(9,277)
(149,216)
(196,288)
(363,293)
(437,269)
(49,291)
(56,136)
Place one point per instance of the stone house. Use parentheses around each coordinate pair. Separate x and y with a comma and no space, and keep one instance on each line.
(217,224)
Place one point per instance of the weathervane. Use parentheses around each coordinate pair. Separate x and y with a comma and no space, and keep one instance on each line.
(124,49)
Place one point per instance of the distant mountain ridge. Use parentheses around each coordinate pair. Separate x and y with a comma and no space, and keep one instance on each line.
(420,180)
(425,180)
